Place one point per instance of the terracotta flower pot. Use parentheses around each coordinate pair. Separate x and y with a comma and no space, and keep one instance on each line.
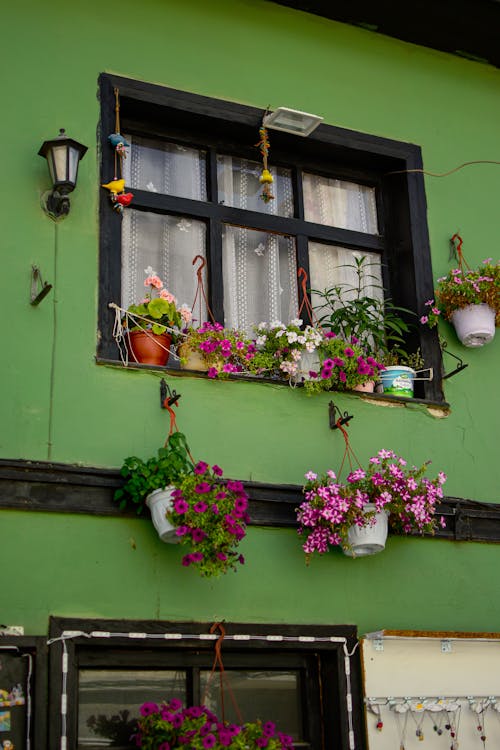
(148,348)
(366,387)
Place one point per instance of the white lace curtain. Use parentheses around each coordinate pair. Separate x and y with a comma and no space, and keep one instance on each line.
(164,242)
(347,205)
(259,268)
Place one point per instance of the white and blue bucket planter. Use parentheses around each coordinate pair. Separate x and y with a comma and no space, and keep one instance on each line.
(398,381)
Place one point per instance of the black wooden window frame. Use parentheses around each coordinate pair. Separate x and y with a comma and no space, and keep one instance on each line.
(218,126)
(323,690)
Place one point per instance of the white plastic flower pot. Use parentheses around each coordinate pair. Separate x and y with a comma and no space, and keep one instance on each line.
(474,325)
(308,362)
(158,503)
(370,539)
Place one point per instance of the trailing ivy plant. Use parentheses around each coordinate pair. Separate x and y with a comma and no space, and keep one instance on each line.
(170,466)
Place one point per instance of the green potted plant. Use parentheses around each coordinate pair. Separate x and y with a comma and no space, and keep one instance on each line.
(374,323)
(170,726)
(219,351)
(154,323)
(470,300)
(354,514)
(190,503)
(150,482)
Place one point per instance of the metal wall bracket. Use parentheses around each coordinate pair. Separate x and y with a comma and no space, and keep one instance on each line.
(167,397)
(378,644)
(461,365)
(39,288)
(336,417)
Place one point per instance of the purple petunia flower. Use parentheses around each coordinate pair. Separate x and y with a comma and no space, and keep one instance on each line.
(181,506)
(200,467)
(217,470)
(221,556)
(234,486)
(225,737)
(175,704)
(349,352)
(208,741)
(187,560)
(202,488)
(269,728)
(212,372)
(241,503)
(198,535)
(149,708)
(200,506)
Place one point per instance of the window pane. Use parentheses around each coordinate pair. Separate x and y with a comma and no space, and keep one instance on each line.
(239,186)
(169,168)
(167,244)
(260,277)
(269,696)
(337,203)
(109,702)
(331,266)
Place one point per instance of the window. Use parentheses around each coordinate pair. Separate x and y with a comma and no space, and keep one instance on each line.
(194,171)
(295,676)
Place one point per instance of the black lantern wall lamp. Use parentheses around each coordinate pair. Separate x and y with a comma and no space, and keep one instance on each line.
(63,155)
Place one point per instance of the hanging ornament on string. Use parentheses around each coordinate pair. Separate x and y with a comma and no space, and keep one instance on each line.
(266,178)
(119,198)
(401,723)
(418,709)
(479,707)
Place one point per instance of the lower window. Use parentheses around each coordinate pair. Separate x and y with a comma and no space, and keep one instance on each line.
(299,678)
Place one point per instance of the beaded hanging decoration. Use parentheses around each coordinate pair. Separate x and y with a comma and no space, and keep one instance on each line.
(266,178)
(119,198)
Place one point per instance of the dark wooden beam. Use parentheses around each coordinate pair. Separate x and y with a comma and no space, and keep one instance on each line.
(65,488)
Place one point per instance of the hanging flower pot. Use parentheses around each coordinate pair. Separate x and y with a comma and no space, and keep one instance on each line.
(148,348)
(369,539)
(469,298)
(474,324)
(159,502)
(354,514)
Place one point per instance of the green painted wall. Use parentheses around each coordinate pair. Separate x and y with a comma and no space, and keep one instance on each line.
(59,405)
